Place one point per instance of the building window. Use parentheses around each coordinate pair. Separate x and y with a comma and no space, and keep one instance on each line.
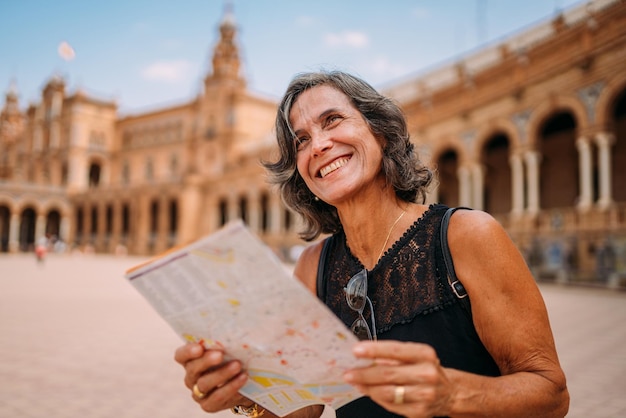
(243,209)
(125,220)
(223,205)
(94,175)
(265,212)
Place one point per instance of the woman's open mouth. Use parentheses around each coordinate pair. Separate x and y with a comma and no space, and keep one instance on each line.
(338,163)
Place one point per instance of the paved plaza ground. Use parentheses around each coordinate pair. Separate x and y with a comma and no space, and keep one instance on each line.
(77,341)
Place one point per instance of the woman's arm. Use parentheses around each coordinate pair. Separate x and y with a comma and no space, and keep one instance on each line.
(510,318)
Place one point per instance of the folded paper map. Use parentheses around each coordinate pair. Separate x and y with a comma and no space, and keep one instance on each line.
(229,291)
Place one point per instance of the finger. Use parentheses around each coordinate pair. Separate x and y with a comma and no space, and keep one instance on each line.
(405,374)
(188,352)
(419,401)
(368,376)
(225,395)
(209,361)
(219,376)
(404,352)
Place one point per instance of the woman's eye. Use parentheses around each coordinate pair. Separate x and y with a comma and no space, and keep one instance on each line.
(301,142)
(331,119)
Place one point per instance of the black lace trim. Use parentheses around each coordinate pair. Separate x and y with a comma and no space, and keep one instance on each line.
(404,284)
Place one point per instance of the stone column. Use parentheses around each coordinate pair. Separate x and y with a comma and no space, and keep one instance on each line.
(254,211)
(585,180)
(162,224)
(102,241)
(276,213)
(604,141)
(532,159)
(213,216)
(40,227)
(140,211)
(116,233)
(233,207)
(14,233)
(465,186)
(191,206)
(64,229)
(478,186)
(517,184)
(86,238)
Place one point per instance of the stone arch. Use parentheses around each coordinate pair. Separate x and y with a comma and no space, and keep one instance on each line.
(552,106)
(449,144)
(448,156)
(54,203)
(80,234)
(53,223)
(8,202)
(125,221)
(614,123)
(500,125)
(495,169)
(222,206)
(559,164)
(5,226)
(264,207)
(27,227)
(154,212)
(28,201)
(243,207)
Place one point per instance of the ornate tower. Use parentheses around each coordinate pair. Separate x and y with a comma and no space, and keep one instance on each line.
(215,127)
(11,126)
(226,63)
(217,105)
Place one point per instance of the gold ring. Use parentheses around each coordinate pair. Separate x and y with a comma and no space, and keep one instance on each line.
(197,392)
(398,395)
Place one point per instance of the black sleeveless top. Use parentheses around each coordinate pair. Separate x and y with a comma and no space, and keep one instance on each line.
(412,302)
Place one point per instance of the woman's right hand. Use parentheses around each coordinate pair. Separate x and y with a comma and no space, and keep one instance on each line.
(217,380)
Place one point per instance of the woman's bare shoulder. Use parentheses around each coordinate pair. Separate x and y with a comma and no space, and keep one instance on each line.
(306,266)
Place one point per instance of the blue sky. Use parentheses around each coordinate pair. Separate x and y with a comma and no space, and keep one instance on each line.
(148,54)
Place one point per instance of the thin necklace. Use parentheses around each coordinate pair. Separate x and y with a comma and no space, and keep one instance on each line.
(389,234)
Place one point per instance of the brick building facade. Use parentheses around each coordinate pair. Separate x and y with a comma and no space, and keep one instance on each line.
(531,129)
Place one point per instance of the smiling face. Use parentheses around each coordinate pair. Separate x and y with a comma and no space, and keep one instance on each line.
(337,154)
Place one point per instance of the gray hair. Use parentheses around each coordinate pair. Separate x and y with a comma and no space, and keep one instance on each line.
(401,165)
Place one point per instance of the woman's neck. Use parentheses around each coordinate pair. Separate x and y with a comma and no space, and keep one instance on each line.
(371,229)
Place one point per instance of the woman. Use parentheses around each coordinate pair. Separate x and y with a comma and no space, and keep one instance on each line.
(347,166)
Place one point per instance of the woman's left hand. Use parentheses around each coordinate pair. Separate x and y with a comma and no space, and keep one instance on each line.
(405,378)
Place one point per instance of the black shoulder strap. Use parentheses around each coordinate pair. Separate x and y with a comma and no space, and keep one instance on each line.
(321,282)
(455,284)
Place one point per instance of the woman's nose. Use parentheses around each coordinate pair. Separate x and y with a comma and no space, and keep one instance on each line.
(321,143)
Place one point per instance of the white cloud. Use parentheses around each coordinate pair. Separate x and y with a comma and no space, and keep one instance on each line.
(351,39)
(168,71)
(381,66)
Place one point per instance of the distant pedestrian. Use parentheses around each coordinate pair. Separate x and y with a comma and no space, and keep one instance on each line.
(41,249)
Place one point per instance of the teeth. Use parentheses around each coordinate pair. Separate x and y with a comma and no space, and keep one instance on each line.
(333,166)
